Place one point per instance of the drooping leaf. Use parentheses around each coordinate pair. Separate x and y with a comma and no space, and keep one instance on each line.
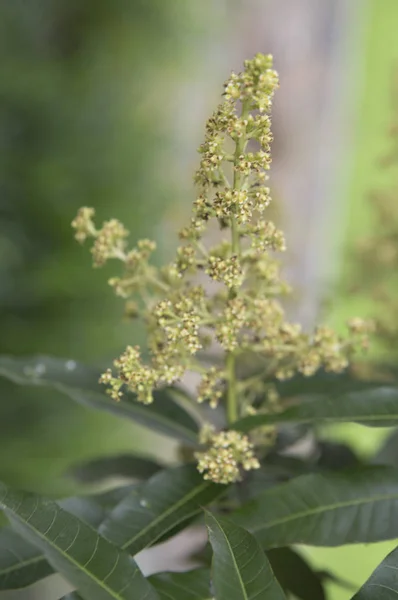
(326,509)
(162,504)
(89,562)
(80,383)
(240,569)
(21,563)
(295,575)
(383,583)
(131,467)
(193,585)
(377,407)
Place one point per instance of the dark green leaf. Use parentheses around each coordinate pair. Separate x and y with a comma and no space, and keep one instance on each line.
(108,500)
(388,453)
(86,509)
(324,383)
(376,407)
(89,562)
(332,455)
(22,564)
(80,383)
(165,502)
(339,581)
(240,569)
(132,467)
(194,585)
(268,476)
(295,575)
(383,583)
(326,509)
(72,596)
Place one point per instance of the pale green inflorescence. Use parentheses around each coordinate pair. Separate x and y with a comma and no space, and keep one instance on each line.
(242,315)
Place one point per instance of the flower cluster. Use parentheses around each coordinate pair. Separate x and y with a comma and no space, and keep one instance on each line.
(244,313)
(228,454)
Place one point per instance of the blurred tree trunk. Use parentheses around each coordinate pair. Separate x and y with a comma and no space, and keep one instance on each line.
(316,48)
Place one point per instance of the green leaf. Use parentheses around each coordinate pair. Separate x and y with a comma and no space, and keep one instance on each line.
(80,383)
(240,569)
(22,564)
(388,452)
(328,576)
(383,583)
(333,455)
(326,509)
(295,575)
(376,407)
(89,562)
(193,585)
(72,596)
(165,502)
(324,383)
(132,467)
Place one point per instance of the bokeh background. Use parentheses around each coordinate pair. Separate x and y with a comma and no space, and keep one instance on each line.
(103,103)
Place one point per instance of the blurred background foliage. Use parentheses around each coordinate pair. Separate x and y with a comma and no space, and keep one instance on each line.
(102,103)
(86,100)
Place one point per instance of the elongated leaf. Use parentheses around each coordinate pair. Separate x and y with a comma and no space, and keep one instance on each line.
(295,575)
(326,509)
(21,563)
(132,467)
(240,569)
(324,383)
(80,383)
(383,583)
(159,506)
(194,585)
(376,408)
(89,562)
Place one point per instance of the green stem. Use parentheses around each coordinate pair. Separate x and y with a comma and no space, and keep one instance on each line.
(232,397)
(232,403)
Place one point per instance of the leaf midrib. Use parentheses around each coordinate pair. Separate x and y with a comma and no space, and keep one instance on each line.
(197,490)
(245,596)
(70,558)
(22,564)
(324,509)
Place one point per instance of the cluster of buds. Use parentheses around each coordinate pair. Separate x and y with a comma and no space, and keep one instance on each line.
(229,453)
(244,314)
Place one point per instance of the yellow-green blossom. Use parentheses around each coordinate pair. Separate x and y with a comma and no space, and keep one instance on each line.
(242,313)
(229,453)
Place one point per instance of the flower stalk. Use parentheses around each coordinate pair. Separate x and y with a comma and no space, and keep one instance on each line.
(244,315)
